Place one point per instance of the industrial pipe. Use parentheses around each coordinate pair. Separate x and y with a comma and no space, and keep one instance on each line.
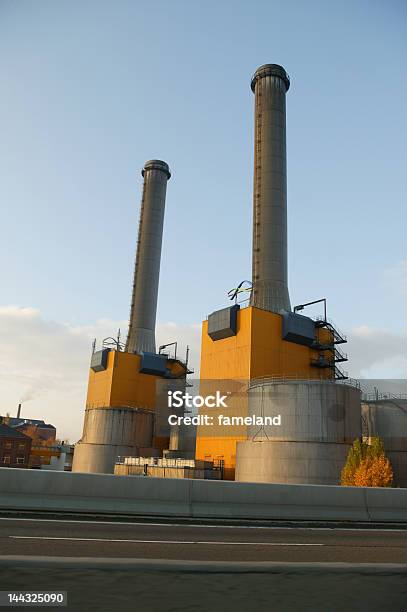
(269,260)
(141,334)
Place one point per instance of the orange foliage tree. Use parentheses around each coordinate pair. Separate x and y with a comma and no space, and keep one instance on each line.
(374,472)
(367,465)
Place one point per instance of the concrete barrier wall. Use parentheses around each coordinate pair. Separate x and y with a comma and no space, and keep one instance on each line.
(97,493)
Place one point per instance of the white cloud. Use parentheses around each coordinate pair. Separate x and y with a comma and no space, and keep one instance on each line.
(377,353)
(45,364)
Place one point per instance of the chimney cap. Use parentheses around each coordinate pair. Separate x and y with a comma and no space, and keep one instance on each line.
(270,70)
(157,164)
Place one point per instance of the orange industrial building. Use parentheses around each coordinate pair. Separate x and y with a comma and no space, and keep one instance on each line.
(266,343)
(121,417)
(268,358)
(256,349)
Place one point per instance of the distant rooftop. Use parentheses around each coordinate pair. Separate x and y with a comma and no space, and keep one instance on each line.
(10,432)
(14,422)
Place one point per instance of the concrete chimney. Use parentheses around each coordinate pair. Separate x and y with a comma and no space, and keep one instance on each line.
(141,334)
(269,260)
(18,411)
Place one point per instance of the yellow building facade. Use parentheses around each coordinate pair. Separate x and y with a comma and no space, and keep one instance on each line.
(256,350)
(122,385)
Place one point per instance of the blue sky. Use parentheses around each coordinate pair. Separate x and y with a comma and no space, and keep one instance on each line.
(91,90)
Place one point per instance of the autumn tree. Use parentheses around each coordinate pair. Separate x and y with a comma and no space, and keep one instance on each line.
(367,465)
(353,461)
(374,472)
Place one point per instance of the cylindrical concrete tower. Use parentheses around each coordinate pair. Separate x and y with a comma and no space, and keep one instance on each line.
(141,335)
(269,260)
(319,421)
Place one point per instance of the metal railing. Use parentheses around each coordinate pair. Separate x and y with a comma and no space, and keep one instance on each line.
(299,378)
(374,396)
(339,336)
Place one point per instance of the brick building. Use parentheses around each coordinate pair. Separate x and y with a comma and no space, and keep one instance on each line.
(15,447)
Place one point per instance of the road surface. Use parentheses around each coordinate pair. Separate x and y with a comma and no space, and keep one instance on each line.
(200,542)
(169,567)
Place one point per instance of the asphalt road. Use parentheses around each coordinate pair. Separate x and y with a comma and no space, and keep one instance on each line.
(200,543)
(153,567)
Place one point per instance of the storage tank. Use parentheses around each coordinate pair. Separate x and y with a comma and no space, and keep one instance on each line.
(319,422)
(109,433)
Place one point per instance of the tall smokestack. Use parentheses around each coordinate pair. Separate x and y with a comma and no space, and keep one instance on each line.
(269,261)
(18,411)
(141,335)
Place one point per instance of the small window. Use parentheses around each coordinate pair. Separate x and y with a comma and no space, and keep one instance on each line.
(20,459)
(8,445)
(21,446)
(6,459)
